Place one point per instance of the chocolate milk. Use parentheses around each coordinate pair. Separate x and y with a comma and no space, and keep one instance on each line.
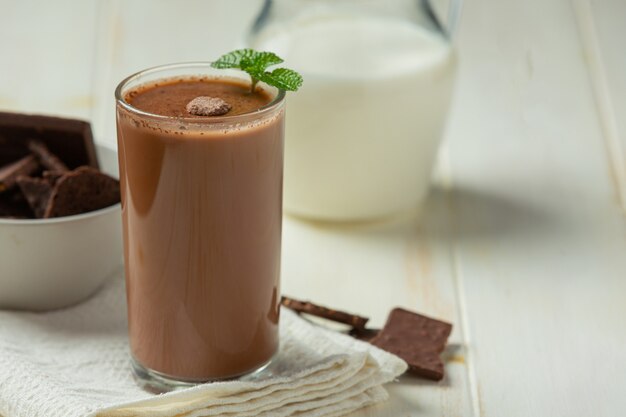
(201,206)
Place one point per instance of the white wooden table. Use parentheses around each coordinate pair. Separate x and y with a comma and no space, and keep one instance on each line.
(522,244)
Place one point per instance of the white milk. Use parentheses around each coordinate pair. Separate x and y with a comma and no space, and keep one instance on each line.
(363,131)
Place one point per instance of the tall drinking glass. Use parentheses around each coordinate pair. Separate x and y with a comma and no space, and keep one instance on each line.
(201,207)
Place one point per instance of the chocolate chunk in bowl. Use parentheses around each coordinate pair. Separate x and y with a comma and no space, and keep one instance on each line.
(9,173)
(49,263)
(46,158)
(13,205)
(37,192)
(70,140)
(80,191)
(56,191)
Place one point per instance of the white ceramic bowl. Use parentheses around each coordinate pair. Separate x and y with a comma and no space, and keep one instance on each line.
(53,263)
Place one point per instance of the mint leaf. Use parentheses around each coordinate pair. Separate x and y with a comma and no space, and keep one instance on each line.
(233,59)
(255,64)
(283,78)
(262,60)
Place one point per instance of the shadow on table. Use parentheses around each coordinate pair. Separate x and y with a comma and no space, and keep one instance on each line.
(460,213)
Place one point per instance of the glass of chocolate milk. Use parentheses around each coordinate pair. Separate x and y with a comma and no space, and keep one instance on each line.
(201,207)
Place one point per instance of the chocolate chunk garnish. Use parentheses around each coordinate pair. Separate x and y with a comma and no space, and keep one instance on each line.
(82,190)
(324,312)
(9,173)
(46,158)
(70,140)
(37,192)
(417,339)
(208,106)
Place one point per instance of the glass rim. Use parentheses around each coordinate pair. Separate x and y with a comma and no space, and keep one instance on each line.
(276,102)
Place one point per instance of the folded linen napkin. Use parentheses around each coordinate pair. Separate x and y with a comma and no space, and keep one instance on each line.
(75,363)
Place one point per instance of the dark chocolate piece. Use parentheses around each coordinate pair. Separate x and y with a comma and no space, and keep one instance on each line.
(9,173)
(82,190)
(13,205)
(71,140)
(417,339)
(326,313)
(46,158)
(37,192)
(364,334)
(52,176)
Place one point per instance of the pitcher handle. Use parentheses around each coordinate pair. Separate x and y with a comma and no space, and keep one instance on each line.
(454,15)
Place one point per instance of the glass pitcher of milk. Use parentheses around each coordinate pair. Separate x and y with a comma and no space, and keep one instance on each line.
(364,129)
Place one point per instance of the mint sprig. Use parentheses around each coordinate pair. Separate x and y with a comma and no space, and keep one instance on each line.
(255,63)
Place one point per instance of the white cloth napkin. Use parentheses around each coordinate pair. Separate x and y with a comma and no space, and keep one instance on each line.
(75,363)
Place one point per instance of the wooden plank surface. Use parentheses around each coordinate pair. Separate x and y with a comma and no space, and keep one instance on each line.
(521,243)
(601,28)
(539,239)
(369,269)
